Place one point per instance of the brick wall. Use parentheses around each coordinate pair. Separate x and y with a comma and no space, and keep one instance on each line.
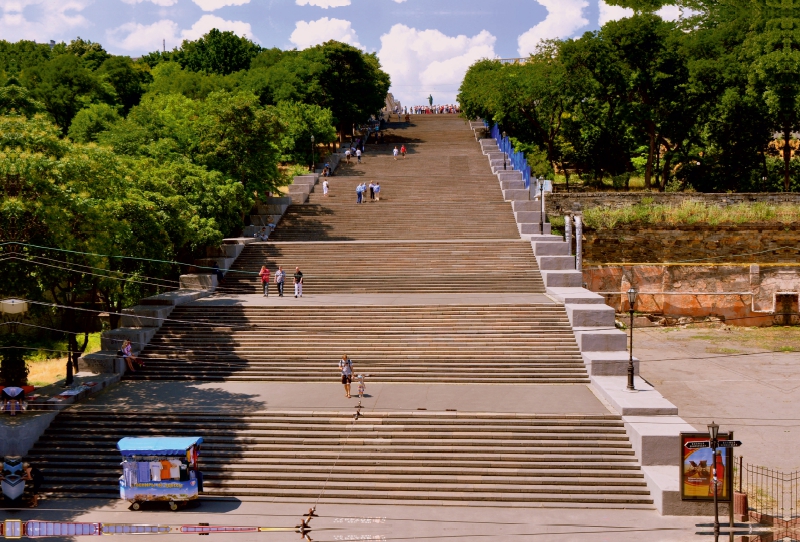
(672,244)
(742,295)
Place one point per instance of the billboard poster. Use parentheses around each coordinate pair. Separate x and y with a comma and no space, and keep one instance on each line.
(697,469)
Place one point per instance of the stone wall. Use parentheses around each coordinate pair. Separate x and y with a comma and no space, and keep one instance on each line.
(559,203)
(744,243)
(739,294)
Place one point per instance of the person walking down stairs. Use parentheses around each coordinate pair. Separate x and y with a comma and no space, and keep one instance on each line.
(346,366)
(377,191)
(280,277)
(264,274)
(298,282)
(395,152)
(403,151)
(372,191)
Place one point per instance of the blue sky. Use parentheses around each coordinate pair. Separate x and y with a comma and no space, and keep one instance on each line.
(425,45)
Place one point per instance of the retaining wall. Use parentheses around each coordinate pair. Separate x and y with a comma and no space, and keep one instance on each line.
(745,295)
(561,202)
(743,243)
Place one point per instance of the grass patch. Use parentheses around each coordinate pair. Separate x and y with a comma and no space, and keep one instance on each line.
(45,349)
(690,212)
(47,361)
(720,350)
(776,338)
(47,371)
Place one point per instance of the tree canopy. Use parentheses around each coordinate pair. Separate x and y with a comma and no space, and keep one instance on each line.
(710,102)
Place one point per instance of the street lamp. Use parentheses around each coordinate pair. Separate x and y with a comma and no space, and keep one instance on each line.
(541,205)
(504,152)
(631,303)
(713,432)
(312,153)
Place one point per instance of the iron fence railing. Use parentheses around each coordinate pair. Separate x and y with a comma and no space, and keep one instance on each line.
(516,159)
(773,498)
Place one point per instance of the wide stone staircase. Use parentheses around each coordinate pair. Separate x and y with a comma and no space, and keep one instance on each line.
(441,230)
(557,460)
(397,267)
(447,343)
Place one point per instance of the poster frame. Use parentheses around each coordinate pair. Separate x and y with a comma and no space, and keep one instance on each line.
(728,467)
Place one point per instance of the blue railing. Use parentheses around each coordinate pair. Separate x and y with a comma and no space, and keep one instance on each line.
(517,160)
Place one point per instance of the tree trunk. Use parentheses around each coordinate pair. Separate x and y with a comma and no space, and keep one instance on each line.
(665,172)
(648,170)
(787,156)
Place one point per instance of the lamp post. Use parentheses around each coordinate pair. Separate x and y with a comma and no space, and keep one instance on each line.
(504,152)
(541,202)
(312,153)
(631,303)
(713,432)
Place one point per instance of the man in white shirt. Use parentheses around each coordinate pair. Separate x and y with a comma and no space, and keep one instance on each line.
(358,155)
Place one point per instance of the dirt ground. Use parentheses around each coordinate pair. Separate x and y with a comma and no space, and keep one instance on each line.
(745,379)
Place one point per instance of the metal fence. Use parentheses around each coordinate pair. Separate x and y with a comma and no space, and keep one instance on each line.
(516,159)
(773,498)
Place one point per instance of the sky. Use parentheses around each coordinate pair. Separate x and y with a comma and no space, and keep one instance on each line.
(426,46)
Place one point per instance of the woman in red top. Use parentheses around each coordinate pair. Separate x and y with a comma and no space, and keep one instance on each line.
(264,274)
(403,151)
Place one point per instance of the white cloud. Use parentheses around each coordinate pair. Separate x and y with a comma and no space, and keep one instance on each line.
(564,17)
(208,22)
(164,3)
(309,33)
(399,1)
(324,4)
(612,13)
(211,5)
(669,13)
(144,38)
(51,19)
(422,62)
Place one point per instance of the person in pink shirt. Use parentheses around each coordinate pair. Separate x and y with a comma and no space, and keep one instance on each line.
(264,274)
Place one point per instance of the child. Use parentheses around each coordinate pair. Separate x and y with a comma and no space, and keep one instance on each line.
(361,386)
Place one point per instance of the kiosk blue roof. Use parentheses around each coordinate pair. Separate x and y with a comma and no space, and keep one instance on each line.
(156,445)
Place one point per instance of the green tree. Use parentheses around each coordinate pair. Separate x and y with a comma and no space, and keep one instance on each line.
(239,138)
(301,121)
(91,121)
(15,98)
(128,79)
(217,52)
(65,87)
(92,54)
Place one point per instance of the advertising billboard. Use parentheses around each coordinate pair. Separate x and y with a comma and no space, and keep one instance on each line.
(696,469)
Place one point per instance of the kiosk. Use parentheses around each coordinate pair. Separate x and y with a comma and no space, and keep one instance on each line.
(160,469)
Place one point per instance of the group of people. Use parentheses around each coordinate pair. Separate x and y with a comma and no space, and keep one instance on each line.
(433,109)
(352,151)
(374,191)
(280,279)
(346,367)
(397,151)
